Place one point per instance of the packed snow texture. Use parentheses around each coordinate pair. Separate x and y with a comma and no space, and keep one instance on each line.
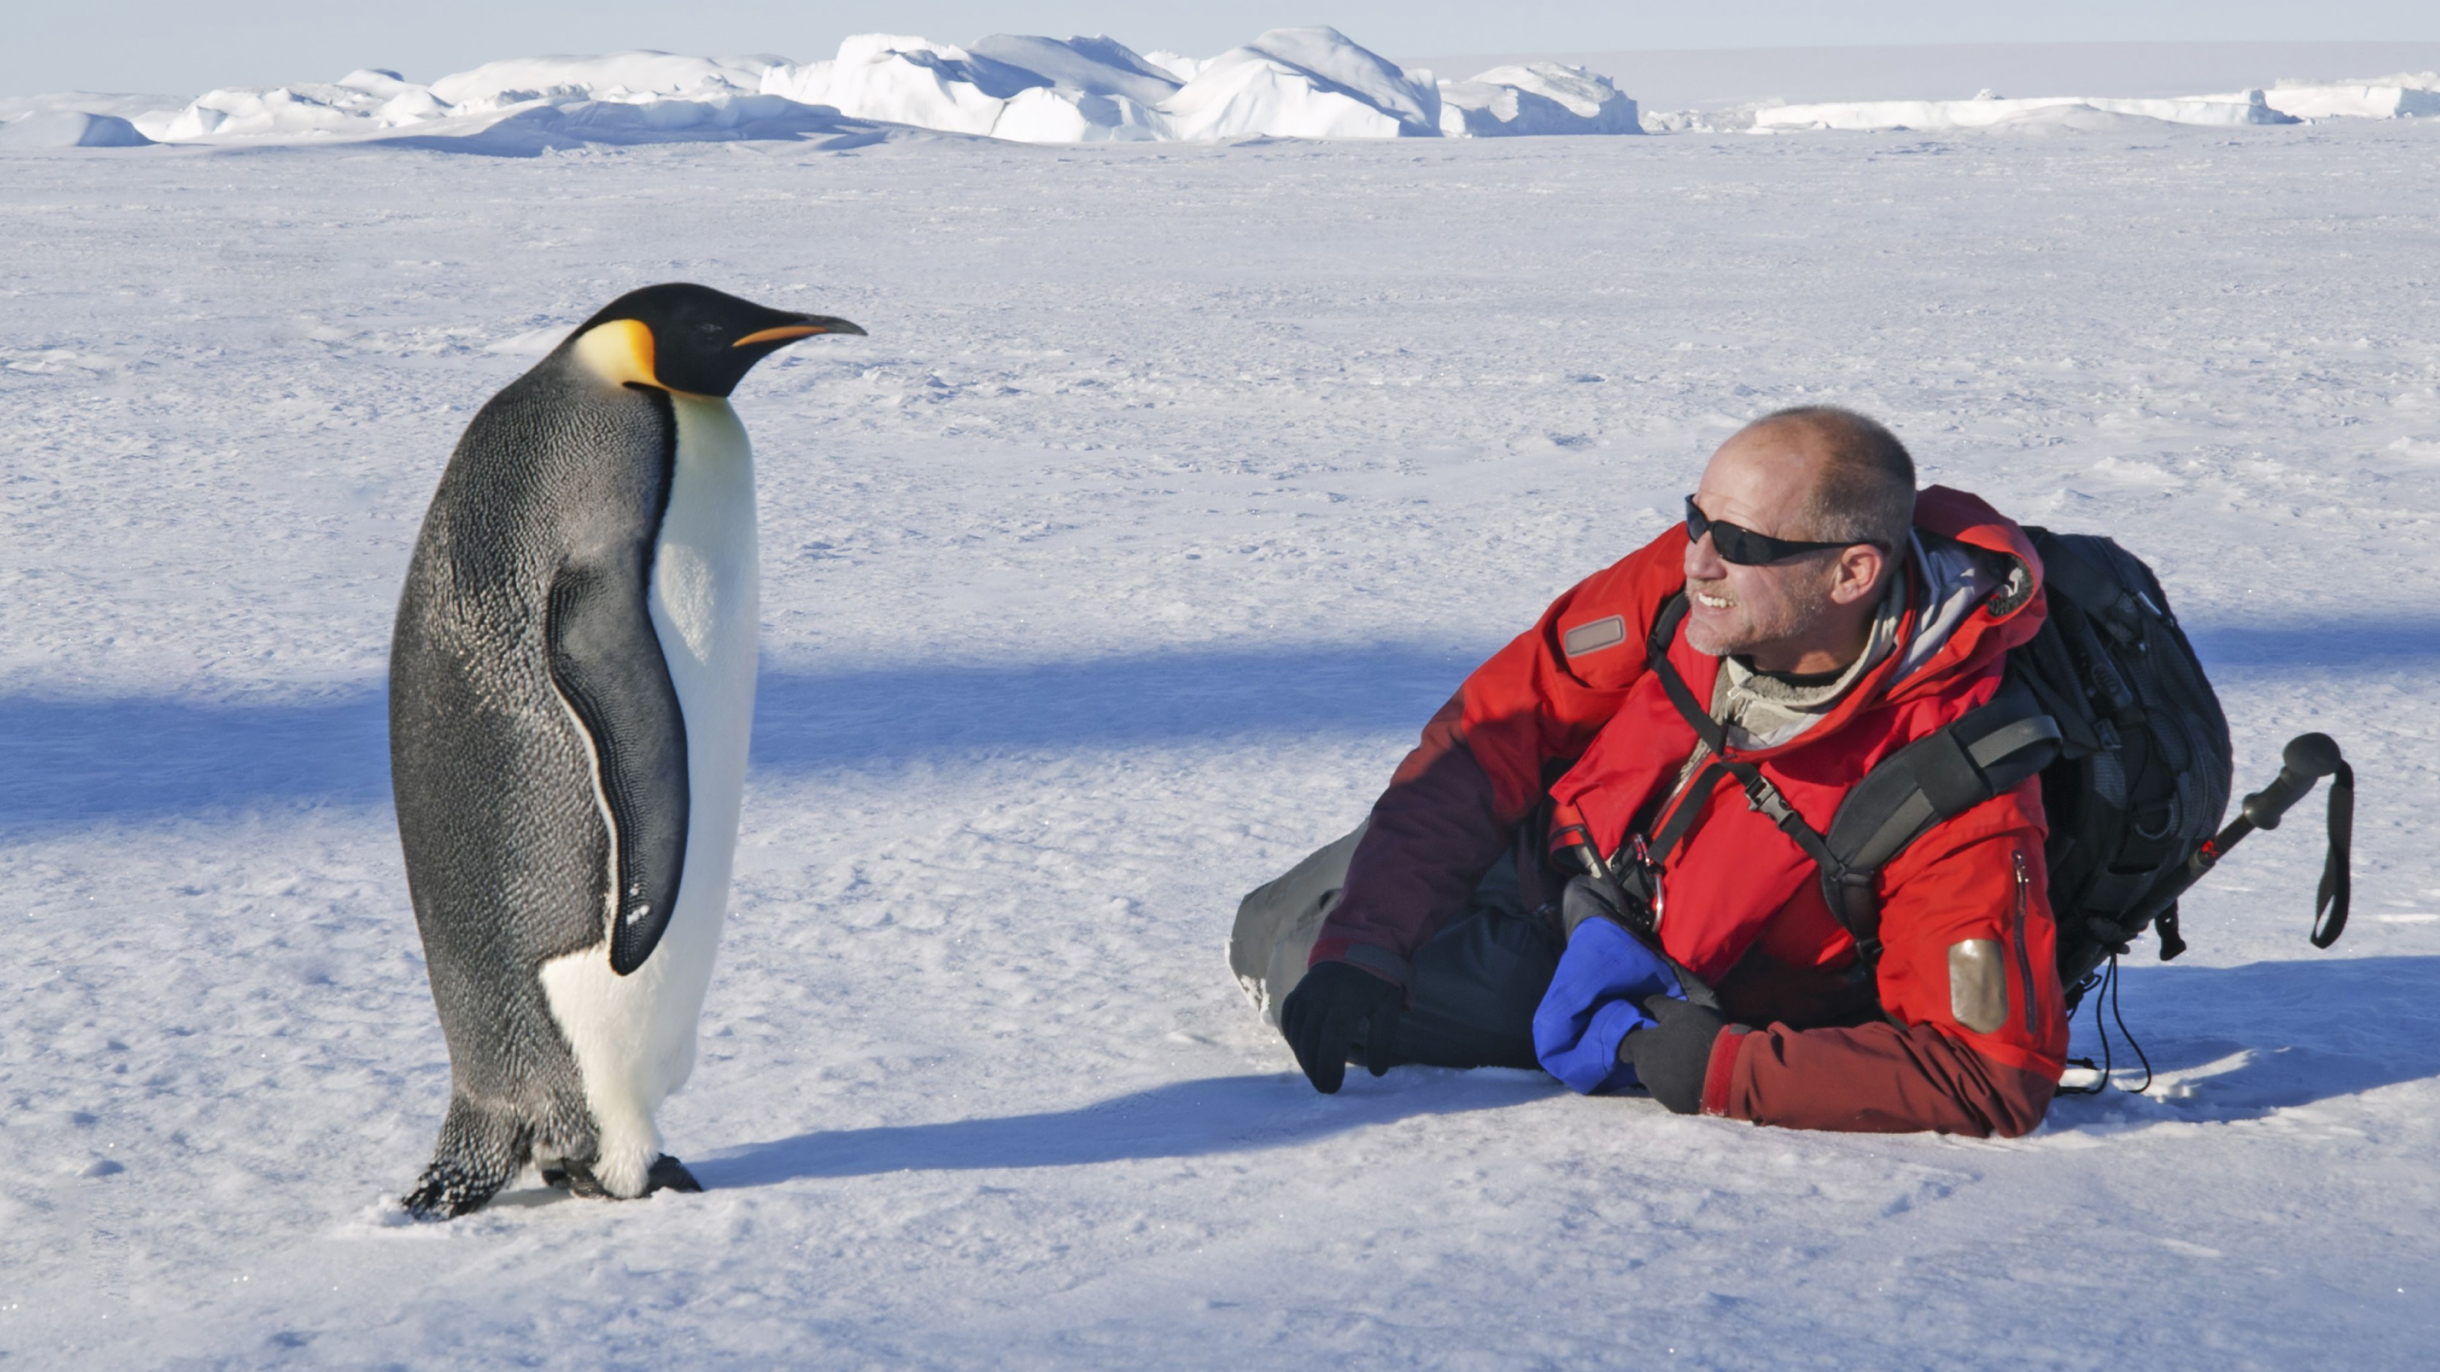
(1289,83)
(1173,490)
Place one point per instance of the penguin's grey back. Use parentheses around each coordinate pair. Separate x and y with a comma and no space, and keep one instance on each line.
(508,853)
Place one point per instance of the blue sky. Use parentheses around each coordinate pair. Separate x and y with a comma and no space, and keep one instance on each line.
(179,46)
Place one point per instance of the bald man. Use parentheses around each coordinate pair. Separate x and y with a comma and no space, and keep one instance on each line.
(1814,614)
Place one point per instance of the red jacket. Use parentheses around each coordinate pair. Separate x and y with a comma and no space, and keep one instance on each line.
(1593,731)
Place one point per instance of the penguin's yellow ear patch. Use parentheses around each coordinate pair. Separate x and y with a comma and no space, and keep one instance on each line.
(779,335)
(619,352)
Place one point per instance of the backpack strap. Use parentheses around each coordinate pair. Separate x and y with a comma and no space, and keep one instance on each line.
(1984,753)
(1989,750)
(1760,794)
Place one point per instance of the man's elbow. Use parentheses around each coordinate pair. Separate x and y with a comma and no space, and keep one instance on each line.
(2019,1100)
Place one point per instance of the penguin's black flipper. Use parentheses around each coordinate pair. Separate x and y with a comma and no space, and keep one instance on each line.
(606,661)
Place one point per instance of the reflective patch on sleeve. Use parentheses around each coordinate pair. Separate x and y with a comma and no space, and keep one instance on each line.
(1593,637)
(1978,984)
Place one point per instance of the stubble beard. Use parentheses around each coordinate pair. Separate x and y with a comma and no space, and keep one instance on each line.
(1791,619)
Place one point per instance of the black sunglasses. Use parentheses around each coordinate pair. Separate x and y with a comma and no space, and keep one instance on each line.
(1747,548)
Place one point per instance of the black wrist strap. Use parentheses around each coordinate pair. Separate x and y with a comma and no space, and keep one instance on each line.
(2330,902)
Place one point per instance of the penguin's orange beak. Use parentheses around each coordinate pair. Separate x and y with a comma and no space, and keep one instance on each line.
(812,324)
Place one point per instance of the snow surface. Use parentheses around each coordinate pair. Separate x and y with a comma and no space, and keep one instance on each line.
(1172,491)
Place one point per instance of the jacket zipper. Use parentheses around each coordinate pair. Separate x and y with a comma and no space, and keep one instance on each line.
(2024,959)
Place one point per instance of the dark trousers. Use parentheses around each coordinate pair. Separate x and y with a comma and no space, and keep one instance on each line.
(1476,984)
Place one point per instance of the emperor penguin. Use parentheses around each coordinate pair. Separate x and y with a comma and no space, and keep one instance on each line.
(571,693)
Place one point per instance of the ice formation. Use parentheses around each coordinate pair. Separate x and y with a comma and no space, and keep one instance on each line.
(2289,102)
(1541,97)
(1028,90)
(2404,96)
(1288,83)
(1987,111)
(69,129)
(1304,83)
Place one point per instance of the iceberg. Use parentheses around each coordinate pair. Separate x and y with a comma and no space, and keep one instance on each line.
(1303,83)
(43,130)
(2404,96)
(1988,111)
(1288,83)
(1536,98)
(635,78)
(1028,90)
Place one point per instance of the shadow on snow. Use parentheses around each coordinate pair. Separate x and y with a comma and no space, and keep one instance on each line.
(73,761)
(1179,1120)
(2230,1043)
(2234,1043)
(68,761)
(2233,651)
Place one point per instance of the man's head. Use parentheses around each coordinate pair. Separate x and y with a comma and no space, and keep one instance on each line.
(1809,475)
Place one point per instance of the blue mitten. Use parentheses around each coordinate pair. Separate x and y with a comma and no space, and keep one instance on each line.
(1595,999)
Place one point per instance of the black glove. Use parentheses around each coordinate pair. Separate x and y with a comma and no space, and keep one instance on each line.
(1321,1017)
(1672,1054)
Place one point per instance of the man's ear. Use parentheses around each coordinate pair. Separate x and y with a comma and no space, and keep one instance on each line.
(1856,574)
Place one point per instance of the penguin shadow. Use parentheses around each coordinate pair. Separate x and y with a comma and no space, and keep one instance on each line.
(809,719)
(2240,1043)
(2234,651)
(1178,1120)
(73,761)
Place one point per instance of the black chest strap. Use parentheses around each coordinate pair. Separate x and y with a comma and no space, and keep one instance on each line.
(1984,753)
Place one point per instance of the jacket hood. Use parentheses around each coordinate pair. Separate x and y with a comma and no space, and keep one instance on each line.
(1941,636)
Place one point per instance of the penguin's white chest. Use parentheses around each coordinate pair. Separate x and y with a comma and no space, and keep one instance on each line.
(634,1036)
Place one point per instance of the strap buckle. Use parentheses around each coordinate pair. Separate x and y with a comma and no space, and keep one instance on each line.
(1639,878)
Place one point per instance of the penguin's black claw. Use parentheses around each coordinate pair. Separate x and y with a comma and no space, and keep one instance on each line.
(669,1174)
(443,1194)
(575,1178)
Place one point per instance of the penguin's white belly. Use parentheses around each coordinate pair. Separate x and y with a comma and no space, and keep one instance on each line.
(634,1036)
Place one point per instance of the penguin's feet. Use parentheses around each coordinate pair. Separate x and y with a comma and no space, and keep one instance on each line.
(444,1193)
(669,1174)
(577,1179)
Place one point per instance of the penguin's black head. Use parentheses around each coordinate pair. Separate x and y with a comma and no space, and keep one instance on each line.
(705,341)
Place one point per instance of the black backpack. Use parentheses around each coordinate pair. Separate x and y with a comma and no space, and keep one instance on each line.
(2144,767)
(2109,704)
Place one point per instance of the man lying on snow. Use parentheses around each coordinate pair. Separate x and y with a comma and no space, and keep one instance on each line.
(1831,614)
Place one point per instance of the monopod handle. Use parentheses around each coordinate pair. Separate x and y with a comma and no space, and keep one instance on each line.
(2309,758)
